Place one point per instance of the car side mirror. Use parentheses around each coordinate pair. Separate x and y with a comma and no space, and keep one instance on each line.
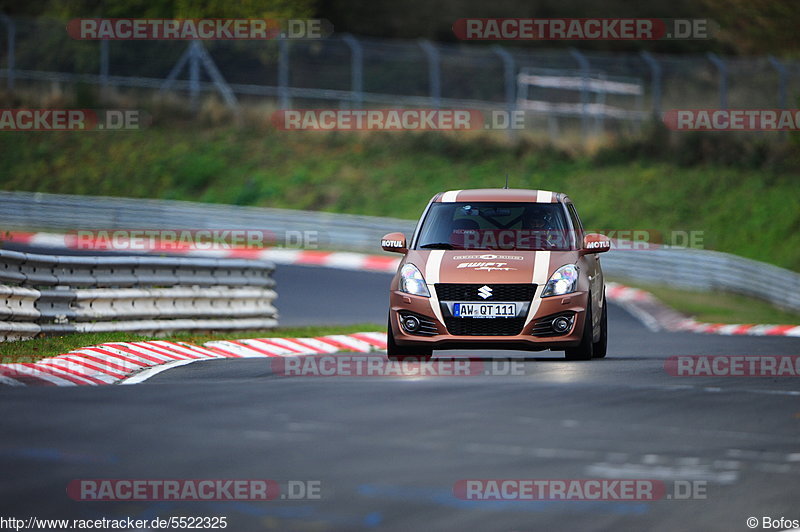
(595,243)
(394,242)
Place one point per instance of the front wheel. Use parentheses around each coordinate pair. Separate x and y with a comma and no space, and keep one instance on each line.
(601,346)
(400,353)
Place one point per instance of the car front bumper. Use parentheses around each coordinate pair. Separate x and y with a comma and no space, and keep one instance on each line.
(438,336)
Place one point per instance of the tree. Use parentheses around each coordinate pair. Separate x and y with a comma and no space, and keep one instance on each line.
(758,26)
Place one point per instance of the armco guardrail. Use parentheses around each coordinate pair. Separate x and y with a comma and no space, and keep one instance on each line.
(62,294)
(25,210)
(679,267)
(705,271)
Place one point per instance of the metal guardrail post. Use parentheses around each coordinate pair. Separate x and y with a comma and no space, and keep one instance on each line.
(583,63)
(356,69)
(434,72)
(655,81)
(723,78)
(284,99)
(11,32)
(510,74)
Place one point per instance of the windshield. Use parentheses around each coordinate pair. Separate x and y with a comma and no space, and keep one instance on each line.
(495,226)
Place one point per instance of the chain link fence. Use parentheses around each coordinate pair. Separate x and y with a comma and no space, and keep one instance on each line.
(349,71)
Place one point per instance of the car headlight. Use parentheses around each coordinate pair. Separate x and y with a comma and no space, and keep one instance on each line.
(412,282)
(563,281)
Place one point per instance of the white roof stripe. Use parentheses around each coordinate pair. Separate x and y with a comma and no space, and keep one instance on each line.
(450,196)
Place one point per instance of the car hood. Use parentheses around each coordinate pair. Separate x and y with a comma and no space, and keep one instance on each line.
(444,266)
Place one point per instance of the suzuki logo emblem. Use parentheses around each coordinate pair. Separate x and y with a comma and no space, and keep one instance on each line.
(485,292)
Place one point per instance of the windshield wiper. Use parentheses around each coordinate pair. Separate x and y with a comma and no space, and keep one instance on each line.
(437,245)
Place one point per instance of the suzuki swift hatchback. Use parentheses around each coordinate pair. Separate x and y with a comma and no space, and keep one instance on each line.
(498,269)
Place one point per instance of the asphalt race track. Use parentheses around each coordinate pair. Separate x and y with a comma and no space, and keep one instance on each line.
(387,451)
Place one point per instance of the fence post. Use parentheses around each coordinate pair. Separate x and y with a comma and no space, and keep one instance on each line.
(783,75)
(509,71)
(783,78)
(284,101)
(197,56)
(176,69)
(655,80)
(11,31)
(194,75)
(104,68)
(723,78)
(356,69)
(583,63)
(216,76)
(434,74)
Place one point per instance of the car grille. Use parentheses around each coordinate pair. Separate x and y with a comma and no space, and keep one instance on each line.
(500,292)
(427,327)
(544,326)
(484,326)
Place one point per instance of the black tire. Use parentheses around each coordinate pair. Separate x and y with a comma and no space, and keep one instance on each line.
(601,346)
(400,353)
(585,349)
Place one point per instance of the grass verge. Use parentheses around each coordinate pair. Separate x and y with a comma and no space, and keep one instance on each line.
(38,348)
(750,208)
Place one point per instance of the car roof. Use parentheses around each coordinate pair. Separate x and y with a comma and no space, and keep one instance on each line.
(501,194)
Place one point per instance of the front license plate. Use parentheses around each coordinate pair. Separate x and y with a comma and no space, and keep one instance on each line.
(484,310)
